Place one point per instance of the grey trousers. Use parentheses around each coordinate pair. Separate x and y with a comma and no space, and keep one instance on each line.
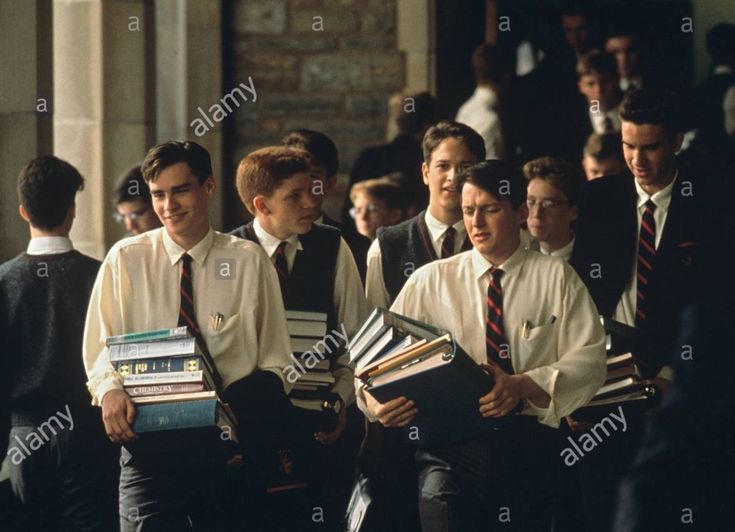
(505,481)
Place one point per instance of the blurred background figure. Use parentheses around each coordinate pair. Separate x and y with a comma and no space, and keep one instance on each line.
(553,194)
(622,44)
(480,111)
(598,83)
(377,203)
(603,155)
(412,113)
(132,200)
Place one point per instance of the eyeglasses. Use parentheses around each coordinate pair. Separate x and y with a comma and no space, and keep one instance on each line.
(132,216)
(545,205)
(370,209)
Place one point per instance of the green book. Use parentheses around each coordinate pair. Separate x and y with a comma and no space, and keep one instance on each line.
(148,336)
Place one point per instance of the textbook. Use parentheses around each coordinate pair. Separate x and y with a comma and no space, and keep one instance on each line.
(161,365)
(164,389)
(174,386)
(161,348)
(148,336)
(312,329)
(183,415)
(437,374)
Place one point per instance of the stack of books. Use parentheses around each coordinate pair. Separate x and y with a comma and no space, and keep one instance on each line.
(396,356)
(312,390)
(171,382)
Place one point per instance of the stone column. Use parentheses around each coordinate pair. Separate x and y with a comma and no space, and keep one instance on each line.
(26,106)
(416,39)
(103,89)
(189,76)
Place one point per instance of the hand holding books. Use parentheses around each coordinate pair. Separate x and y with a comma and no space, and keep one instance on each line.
(397,412)
(504,396)
(118,414)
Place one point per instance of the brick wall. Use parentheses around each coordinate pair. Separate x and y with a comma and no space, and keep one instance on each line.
(337,80)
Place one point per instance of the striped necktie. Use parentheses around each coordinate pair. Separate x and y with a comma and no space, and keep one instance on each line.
(282,265)
(646,256)
(498,349)
(448,242)
(187,316)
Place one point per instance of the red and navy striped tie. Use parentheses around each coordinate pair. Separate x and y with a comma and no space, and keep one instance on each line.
(282,266)
(646,256)
(187,316)
(448,242)
(498,350)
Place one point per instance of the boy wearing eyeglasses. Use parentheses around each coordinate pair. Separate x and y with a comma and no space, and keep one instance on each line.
(553,187)
(132,200)
(377,203)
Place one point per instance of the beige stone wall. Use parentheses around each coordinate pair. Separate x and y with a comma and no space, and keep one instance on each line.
(329,65)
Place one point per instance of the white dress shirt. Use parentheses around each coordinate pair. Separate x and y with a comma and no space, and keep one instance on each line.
(349,299)
(377,293)
(49,245)
(480,113)
(563,253)
(137,289)
(564,352)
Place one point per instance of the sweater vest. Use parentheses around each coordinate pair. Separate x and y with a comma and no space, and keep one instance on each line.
(404,248)
(310,284)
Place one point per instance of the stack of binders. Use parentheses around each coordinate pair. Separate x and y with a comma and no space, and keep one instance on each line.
(171,382)
(624,383)
(396,356)
(312,352)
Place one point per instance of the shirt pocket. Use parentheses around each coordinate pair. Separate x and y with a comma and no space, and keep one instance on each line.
(534,349)
(220,341)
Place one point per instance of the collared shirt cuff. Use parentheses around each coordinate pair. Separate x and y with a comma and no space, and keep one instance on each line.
(110,382)
(360,400)
(666,373)
(545,377)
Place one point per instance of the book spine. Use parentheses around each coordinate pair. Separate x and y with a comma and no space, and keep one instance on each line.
(160,365)
(172,416)
(132,351)
(164,389)
(164,378)
(161,334)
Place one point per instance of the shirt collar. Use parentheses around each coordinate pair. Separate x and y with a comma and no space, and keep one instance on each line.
(320,220)
(563,252)
(49,245)
(662,198)
(437,228)
(511,266)
(270,242)
(199,252)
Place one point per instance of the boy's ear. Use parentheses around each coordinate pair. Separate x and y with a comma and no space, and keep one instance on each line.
(261,205)
(23,213)
(425,172)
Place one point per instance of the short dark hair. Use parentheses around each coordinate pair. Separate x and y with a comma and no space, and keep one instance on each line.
(46,190)
(260,172)
(130,187)
(557,172)
(597,62)
(652,106)
(169,153)
(604,146)
(500,179)
(319,145)
(448,129)
(721,44)
(412,120)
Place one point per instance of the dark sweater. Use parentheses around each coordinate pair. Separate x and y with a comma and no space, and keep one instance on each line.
(311,281)
(43,305)
(404,248)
